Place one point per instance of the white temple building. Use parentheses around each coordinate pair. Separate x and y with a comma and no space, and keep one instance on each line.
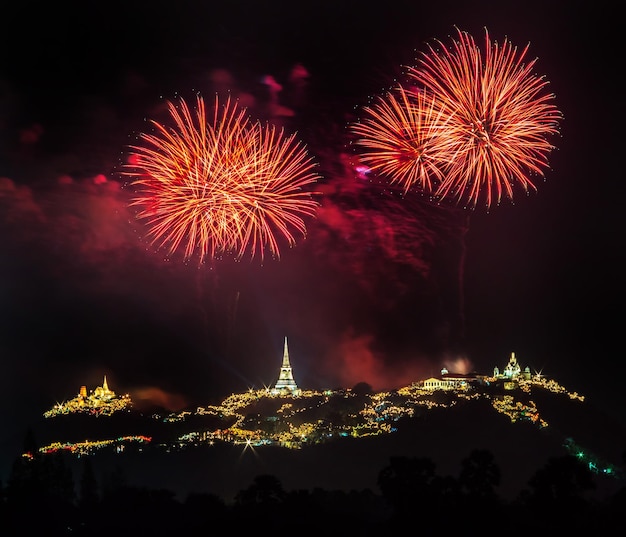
(512,370)
(512,373)
(286,385)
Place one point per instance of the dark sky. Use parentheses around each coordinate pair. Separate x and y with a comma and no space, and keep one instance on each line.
(384,289)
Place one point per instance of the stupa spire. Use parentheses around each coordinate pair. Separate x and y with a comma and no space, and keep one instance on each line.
(285,380)
(286,363)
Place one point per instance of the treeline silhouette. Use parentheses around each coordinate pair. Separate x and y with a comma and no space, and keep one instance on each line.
(41,497)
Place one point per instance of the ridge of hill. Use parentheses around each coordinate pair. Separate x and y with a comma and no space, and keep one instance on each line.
(347,438)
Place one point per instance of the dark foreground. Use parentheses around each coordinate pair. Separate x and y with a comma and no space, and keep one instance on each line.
(41,497)
(451,471)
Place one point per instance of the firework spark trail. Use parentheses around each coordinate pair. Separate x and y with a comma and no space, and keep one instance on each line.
(500,118)
(403,138)
(462,126)
(221,185)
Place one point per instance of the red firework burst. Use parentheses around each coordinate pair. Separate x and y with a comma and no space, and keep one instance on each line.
(221,184)
(499,117)
(402,136)
(470,128)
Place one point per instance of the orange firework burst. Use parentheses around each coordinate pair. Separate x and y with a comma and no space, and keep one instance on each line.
(473,128)
(403,137)
(218,184)
(499,117)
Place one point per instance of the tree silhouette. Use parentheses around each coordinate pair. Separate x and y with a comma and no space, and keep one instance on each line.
(261,501)
(88,498)
(362,388)
(114,481)
(407,483)
(265,489)
(558,495)
(43,483)
(562,480)
(88,491)
(480,475)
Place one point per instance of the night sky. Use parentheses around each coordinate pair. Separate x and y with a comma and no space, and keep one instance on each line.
(384,289)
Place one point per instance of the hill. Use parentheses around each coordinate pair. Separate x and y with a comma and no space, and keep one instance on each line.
(341,440)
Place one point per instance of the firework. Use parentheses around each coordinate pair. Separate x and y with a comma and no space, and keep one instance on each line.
(219,183)
(402,136)
(463,126)
(499,118)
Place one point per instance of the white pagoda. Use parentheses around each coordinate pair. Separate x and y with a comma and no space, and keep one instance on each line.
(285,384)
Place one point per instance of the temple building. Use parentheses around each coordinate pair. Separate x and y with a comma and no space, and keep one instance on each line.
(102,400)
(285,385)
(449,381)
(101,393)
(512,373)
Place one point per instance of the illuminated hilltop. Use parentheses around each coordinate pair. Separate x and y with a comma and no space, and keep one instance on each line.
(289,417)
(100,401)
